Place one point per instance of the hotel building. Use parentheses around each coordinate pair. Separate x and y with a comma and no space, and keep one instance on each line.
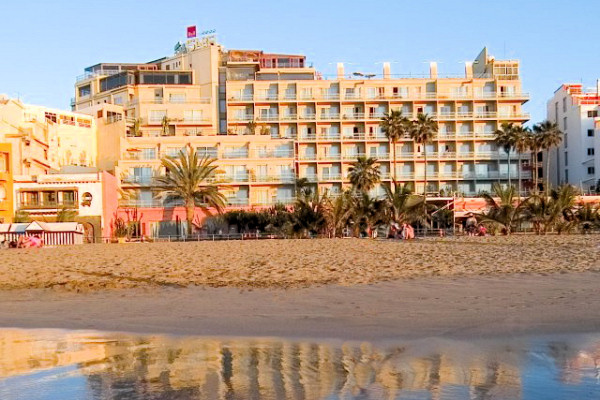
(575,110)
(271,118)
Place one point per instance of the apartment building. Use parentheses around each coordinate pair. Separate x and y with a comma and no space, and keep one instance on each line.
(271,118)
(90,195)
(6,184)
(575,110)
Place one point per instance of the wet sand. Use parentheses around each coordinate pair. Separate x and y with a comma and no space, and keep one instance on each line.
(346,289)
(416,308)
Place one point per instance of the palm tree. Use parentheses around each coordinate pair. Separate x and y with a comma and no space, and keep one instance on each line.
(550,137)
(522,145)
(395,126)
(186,179)
(422,131)
(505,137)
(338,211)
(403,206)
(308,217)
(368,212)
(535,146)
(364,174)
(501,212)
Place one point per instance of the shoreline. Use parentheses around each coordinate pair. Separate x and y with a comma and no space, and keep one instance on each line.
(459,307)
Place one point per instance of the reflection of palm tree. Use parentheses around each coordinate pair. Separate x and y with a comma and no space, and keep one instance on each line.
(186,178)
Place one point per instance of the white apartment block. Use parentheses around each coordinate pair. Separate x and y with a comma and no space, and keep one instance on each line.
(576,160)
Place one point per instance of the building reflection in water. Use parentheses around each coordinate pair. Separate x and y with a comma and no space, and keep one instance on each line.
(119,366)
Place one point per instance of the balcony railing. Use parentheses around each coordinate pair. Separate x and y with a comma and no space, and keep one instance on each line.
(138,180)
(153,203)
(41,204)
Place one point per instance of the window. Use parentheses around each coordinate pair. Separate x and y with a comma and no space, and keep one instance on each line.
(85,90)
(149,154)
(566,158)
(590,151)
(566,141)
(157,115)
(591,170)
(192,115)
(592,113)
(177,98)
(590,132)
(566,175)
(565,123)
(564,104)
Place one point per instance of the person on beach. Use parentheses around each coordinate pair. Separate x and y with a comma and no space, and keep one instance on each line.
(409,232)
(471,224)
(482,230)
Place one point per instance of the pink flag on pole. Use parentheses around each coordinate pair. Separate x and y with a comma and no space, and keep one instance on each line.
(191,31)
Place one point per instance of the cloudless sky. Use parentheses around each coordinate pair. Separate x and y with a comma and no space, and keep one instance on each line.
(46,44)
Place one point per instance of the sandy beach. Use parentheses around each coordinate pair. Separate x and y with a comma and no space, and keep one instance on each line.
(291,263)
(349,289)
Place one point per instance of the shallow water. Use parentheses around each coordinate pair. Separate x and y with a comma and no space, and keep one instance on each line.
(52,364)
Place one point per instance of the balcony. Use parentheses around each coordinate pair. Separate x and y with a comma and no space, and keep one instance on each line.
(331,177)
(236,201)
(235,154)
(242,117)
(242,97)
(46,205)
(308,116)
(269,117)
(138,180)
(329,116)
(352,156)
(330,157)
(153,203)
(267,97)
(275,200)
(227,178)
(285,153)
(282,178)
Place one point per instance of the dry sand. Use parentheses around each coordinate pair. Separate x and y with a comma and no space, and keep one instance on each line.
(349,289)
(290,263)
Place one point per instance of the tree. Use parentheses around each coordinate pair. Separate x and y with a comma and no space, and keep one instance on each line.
(338,211)
(364,174)
(522,145)
(165,126)
(66,215)
(402,206)
(368,212)
(422,131)
(186,178)
(535,146)
(251,125)
(308,217)
(395,126)
(505,137)
(550,136)
(502,211)
(554,210)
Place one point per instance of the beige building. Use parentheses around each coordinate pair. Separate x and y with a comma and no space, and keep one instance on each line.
(271,118)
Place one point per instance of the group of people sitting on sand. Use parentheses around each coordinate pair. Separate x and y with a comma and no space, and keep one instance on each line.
(24,242)
(473,228)
(402,232)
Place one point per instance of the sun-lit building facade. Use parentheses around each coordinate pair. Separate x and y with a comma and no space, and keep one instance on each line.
(6,184)
(269,119)
(575,110)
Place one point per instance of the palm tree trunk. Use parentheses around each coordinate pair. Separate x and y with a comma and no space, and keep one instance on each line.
(394,161)
(547,171)
(519,175)
(425,175)
(508,160)
(190,207)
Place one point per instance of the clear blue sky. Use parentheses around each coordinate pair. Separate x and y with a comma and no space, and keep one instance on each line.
(46,44)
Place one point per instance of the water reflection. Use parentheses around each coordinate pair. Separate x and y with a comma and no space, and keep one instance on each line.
(41,364)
